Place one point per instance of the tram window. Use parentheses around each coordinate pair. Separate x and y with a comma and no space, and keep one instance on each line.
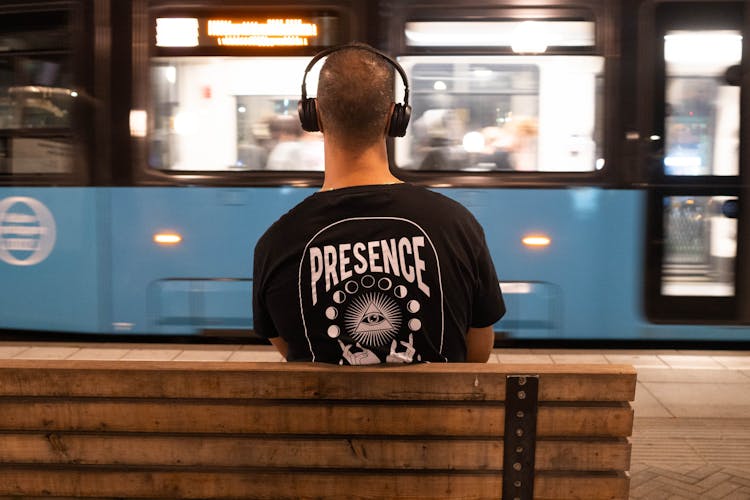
(495,113)
(702,115)
(700,236)
(536,106)
(36,93)
(231,113)
(218,104)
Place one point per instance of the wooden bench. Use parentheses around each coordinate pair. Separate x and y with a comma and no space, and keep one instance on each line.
(72,429)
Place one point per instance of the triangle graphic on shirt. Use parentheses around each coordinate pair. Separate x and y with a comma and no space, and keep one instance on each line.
(372,320)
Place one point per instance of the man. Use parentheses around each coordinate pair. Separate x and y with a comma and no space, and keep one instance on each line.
(371,269)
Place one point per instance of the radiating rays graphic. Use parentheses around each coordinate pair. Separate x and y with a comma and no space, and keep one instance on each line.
(373,319)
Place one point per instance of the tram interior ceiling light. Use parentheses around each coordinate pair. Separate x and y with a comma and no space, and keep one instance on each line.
(529,37)
(523,37)
(716,48)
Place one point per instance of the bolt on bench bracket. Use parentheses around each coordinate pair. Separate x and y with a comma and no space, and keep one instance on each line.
(519,441)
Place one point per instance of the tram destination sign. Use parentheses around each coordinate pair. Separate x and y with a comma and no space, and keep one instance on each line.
(227,32)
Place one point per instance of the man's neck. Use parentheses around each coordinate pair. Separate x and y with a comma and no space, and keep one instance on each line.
(345,168)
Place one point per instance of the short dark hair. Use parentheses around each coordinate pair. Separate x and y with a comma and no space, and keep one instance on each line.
(355,94)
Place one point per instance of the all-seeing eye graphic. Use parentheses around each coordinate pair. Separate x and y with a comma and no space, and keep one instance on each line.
(373,319)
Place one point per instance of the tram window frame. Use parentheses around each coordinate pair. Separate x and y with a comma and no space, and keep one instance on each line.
(606,18)
(79,134)
(351,16)
(659,18)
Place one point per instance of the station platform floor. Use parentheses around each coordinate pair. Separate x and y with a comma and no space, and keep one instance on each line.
(691,437)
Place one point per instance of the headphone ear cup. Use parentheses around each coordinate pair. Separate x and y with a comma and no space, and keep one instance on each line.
(308,114)
(399,120)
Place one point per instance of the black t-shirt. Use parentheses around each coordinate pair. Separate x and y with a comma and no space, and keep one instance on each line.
(374,274)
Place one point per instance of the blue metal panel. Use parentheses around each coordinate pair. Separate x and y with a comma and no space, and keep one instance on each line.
(594,256)
(219,227)
(59,291)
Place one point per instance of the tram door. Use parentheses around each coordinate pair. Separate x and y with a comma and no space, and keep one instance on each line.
(695,257)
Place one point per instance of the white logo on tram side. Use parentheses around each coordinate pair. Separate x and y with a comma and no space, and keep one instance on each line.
(27,231)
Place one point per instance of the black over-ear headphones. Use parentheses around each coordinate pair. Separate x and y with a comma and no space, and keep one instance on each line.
(308,114)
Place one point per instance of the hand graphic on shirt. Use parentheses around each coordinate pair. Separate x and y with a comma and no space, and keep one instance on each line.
(362,357)
(406,356)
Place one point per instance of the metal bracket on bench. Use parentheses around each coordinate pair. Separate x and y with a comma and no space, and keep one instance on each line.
(519,440)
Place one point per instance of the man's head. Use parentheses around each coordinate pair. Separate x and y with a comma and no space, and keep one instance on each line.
(355,97)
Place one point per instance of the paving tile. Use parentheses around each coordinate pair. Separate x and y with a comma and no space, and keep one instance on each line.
(637,360)
(525,358)
(9,351)
(256,356)
(741,494)
(713,480)
(212,355)
(666,487)
(583,352)
(513,350)
(742,475)
(734,362)
(699,400)
(579,358)
(642,490)
(639,478)
(643,352)
(46,352)
(215,347)
(690,361)
(689,469)
(646,405)
(683,375)
(685,480)
(722,489)
(151,355)
(103,354)
(704,471)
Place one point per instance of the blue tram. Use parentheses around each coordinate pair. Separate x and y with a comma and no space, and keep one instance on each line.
(145,145)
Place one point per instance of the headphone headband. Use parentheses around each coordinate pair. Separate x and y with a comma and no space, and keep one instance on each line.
(307,109)
(367,48)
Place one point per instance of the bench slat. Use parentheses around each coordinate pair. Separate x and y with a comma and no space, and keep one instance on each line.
(337,418)
(297,485)
(297,452)
(221,380)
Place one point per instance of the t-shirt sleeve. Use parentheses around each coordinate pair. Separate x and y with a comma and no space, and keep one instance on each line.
(488,305)
(262,323)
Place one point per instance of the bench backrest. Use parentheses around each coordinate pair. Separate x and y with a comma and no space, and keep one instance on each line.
(278,430)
